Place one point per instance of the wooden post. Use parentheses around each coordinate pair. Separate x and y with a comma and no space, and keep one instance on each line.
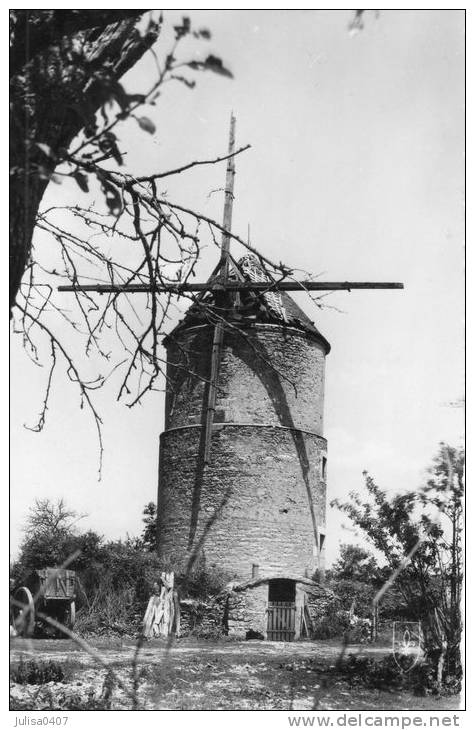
(213,387)
(375,621)
(218,336)
(228,201)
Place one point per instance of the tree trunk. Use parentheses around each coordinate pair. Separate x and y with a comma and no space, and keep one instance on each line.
(64,64)
(24,204)
(441,664)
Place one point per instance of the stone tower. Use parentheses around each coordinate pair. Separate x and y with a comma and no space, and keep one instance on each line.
(255,506)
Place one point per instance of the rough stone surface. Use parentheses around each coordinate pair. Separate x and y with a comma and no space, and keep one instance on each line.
(247,611)
(269,374)
(260,502)
(261,499)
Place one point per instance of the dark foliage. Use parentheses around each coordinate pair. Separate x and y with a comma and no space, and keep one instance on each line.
(356,564)
(52,539)
(115,588)
(386,674)
(202,582)
(115,577)
(149,534)
(62,698)
(37,672)
(377,674)
(53,550)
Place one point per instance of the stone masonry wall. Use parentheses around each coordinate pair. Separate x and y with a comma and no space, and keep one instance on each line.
(247,611)
(269,375)
(237,611)
(261,501)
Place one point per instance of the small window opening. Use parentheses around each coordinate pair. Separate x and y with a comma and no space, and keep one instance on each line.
(219,415)
(255,570)
(321,540)
(324,467)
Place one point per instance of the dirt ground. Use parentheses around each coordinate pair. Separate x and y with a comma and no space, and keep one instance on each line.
(204,675)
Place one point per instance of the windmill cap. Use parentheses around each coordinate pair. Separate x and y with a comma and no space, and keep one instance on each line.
(279,304)
(253,307)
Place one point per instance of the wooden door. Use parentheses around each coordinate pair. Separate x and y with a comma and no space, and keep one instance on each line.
(281,621)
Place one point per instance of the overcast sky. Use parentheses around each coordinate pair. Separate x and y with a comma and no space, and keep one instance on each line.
(356,172)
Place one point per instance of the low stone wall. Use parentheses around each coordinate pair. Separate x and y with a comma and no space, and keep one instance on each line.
(247,611)
(232,613)
(242,608)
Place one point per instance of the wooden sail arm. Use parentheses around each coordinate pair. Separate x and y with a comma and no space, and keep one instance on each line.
(232,286)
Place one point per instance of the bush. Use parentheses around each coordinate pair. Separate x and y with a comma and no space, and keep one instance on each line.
(387,674)
(330,626)
(202,583)
(356,593)
(332,618)
(115,578)
(37,672)
(71,697)
(373,673)
(114,588)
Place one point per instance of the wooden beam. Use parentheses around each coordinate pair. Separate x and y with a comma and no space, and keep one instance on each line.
(232,286)
(218,336)
(213,388)
(228,201)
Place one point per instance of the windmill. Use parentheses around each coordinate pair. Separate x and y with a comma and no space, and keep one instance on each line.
(243,458)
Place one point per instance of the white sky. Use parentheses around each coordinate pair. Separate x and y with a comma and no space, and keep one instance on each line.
(356,170)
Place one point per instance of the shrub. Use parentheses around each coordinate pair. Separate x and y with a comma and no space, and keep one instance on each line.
(37,672)
(67,697)
(387,674)
(373,673)
(202,583)
(330,626)
(115,578)
(115,589)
